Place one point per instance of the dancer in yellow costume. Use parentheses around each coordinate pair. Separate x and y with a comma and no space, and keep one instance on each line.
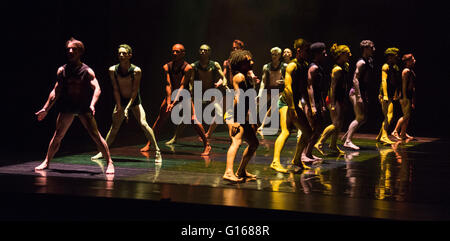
(408,99)
(389,91)
(290,114)
(336,96)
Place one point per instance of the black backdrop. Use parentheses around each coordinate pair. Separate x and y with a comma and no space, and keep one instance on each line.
(35,33)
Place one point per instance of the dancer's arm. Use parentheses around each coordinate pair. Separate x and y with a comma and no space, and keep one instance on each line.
(168,87)
(311,76)
(356,77)
(265,76)
(222,79)
(335,75)
(288,86)
(53,96)
(94,85)
(384,75)
(134,90)
(116,90)
(188,73)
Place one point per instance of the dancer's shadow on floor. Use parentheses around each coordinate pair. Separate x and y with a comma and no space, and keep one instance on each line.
(65,171)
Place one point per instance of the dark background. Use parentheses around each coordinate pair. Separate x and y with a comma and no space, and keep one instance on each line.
(35,34)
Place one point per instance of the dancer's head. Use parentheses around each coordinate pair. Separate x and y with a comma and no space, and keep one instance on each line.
(367,47)
(241,60)
(301,47)
(391,55)
(287,55)
(74,49)
(124,52)
(318,51)
(178,52)
(409,60)
(238,44)
(275,52)
(204,51)
(340,53)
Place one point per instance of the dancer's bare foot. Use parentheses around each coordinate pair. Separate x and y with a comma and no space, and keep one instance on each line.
(146,147)
(98,156)
(158,157)
(44,165)
(278,167)
(229,176)
(319,148)
(246,175)
(396,135)
(171,141)
(207,151)
(110,169)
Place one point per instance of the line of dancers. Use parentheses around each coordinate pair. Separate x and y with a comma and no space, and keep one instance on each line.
(308,93)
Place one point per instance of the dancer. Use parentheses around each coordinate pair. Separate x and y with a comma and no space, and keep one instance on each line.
(178,72)
(295,88)
(389,90)
(336,96)
(241,63)
(316,93)
(126,80)
(359,93)
(75,98)
(272,78)
(287,55)
(408,99)
(238,45)
(210,74)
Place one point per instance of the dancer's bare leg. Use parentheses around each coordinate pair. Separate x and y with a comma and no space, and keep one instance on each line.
(253,143)
(139,113)
(285,124)
(63,123)
(90,124)
(117,119)
(236,132)
(201,132)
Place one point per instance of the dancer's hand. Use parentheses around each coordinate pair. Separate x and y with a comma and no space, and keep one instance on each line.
(313,110)
(169,107)
(41,114)
(125,113)
(92,109)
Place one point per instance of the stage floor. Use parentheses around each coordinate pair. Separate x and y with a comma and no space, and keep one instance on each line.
(408,181)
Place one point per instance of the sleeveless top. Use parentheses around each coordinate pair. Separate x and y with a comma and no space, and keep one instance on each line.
(244,85)
(130,72)
(365,77)
(299,82)
(319,86)
(266,70)
(176,74)
(76,92)
(342,83)
(410,85)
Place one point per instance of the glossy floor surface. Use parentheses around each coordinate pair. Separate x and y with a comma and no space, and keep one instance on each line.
(405,181)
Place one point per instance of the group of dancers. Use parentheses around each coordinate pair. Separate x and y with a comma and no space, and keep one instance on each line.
(306,95)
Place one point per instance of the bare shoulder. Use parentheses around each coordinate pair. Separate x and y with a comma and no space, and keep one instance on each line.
(291,67)
(112,69)
(60,70)
(187,68)
(137,70)
(238,78)
(313,68)
(385,67)
(166,67)
(406,71)
(360,63)
(217,65)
